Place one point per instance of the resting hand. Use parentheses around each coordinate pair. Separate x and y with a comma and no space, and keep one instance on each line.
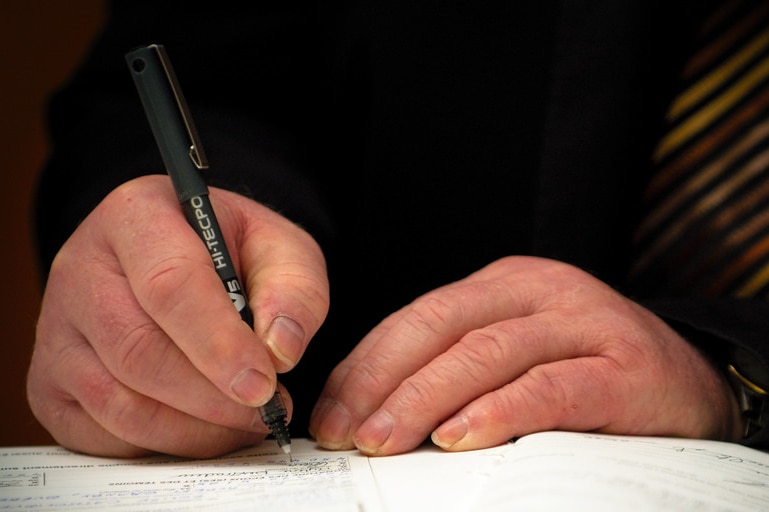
(523,345)
(139,347)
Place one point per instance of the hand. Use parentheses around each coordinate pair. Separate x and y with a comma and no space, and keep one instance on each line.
(139,347)
(520,346)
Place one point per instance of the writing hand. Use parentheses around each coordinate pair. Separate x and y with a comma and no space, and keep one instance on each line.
(522,345)
(139,347)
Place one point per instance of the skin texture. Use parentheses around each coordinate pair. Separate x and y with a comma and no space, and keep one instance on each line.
(523,345)
(139,349)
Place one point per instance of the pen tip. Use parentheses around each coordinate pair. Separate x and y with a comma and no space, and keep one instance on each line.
(287,450)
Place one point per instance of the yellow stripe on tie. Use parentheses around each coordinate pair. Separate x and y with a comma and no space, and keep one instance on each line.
(713,80)
(707,115)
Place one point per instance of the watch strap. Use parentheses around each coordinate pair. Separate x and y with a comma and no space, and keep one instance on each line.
(752,399)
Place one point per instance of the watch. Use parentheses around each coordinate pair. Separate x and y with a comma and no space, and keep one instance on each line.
(753,401)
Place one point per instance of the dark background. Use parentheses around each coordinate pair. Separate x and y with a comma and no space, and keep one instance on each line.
(41,41)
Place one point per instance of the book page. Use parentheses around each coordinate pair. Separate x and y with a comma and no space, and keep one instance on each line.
(547,471)
(430,479)
(590,472)
(258,478)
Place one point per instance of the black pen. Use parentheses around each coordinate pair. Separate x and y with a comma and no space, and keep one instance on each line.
(184,158)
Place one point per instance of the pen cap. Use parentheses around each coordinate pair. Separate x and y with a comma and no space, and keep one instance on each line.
(171,125)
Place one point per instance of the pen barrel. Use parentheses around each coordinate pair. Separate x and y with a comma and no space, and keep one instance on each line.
(183,157)
(161,106)
(274,415)
(200,215)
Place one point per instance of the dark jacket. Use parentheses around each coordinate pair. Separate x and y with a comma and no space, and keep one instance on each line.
(417,140)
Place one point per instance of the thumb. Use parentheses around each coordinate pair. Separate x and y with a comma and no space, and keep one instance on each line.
(284,272)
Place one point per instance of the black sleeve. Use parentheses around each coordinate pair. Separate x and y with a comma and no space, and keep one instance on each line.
(730,330)
(249,79)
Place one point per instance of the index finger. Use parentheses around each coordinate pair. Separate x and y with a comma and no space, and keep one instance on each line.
(406,342)
(172,275)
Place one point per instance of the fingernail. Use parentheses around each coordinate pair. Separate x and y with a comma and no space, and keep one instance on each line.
(450,432)
(334,429)
(374,432)
(285,338)
(252,387)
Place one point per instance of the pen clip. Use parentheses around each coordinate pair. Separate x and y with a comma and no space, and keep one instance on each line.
(197,155)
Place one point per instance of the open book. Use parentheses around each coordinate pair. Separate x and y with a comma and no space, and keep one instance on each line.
(546,471)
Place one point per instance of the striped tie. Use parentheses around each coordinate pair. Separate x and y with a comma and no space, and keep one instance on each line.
(706,228)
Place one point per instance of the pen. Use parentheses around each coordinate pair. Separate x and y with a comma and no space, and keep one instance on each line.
(184,158)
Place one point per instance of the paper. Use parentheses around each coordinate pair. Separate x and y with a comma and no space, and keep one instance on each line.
(430,479)
(541,472)
(595,473)
(260,478)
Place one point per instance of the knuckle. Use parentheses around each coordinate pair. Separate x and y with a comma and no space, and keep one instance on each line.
(160,285)
(136,356)
(419,393)
(52,407)
(429,311)
(306,281)
(542,386)
(133,418)
(484,349)
(121,411)
(370,374)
